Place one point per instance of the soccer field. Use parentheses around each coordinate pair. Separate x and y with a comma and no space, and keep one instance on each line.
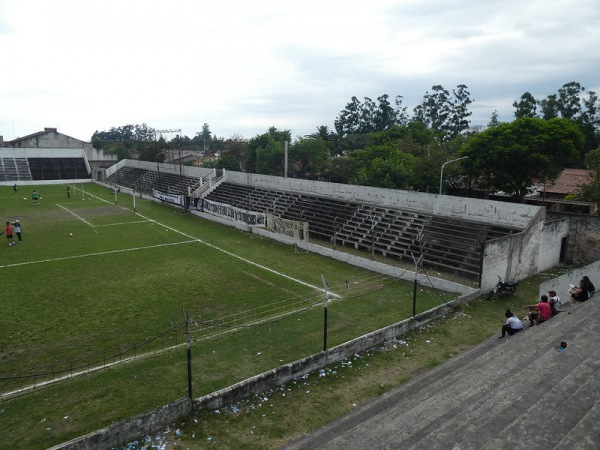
(94,283)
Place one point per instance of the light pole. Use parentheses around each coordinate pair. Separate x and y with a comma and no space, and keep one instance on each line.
(442,170)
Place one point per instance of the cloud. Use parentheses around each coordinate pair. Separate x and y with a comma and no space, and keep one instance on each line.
(242,67)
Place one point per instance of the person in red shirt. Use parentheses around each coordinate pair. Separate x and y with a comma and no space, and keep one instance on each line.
(540,312)
(9,234)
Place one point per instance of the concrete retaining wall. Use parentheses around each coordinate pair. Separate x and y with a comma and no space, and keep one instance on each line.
(117,434)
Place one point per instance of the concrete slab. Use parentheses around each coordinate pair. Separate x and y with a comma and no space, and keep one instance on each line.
(511,393)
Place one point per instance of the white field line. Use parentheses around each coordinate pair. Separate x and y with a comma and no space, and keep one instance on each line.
(71,212)
(121,223)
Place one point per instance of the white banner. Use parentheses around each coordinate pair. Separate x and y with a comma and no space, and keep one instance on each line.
(292,228)
(176,199)
(231,212)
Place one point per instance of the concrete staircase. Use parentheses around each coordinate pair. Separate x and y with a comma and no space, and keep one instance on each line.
(516,392)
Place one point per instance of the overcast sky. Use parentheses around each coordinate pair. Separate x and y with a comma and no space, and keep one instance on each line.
(244,66)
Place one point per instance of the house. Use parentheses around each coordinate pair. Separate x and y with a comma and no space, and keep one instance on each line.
(568,182)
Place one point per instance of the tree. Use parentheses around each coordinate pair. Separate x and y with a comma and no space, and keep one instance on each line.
(512,156)
(368,116)
(383,166)
(308,156)
(237,147)
(227,162)
(526,107)
(549,107)
(590,192)
(446,114)
(568,101)
(494,122)
(265,152)
(204,137)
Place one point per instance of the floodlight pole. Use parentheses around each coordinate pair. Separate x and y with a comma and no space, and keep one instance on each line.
(442,170)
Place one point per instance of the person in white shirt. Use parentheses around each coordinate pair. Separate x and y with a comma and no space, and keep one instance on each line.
(512,325)
(554,301)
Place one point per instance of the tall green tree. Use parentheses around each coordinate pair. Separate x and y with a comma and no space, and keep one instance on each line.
(266,152)
(446,114)
(307,157)
(526,106)
(237,146)
(512,156)
(369,116)
(383,166)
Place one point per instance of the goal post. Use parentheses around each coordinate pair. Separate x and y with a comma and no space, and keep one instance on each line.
(117,189)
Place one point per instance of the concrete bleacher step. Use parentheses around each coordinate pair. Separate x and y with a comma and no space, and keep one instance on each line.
(516,392)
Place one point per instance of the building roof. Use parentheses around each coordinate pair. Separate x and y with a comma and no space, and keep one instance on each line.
(569,181)
(47,130)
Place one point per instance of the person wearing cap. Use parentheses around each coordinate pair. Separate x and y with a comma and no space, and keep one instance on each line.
(554,302)
(512,325)
(540,312)
(17,226)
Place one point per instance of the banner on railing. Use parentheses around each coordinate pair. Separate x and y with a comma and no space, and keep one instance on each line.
(292,228)
(176,199)
(253,218)
(195,203)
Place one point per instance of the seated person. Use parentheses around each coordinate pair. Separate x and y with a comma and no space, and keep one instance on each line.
(579,293)
(589,286)
(540,312)
(554,302)
(512,325)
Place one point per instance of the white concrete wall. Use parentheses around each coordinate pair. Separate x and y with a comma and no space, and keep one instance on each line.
(520,255)
(506,214)
(187,171)
(550,249)
(34,152)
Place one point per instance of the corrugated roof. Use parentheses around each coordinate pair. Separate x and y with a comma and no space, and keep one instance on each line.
(569,181)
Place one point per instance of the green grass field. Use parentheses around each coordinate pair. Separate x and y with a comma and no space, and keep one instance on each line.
(92,282)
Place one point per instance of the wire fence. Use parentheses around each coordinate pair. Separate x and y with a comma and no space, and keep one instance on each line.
(178,334)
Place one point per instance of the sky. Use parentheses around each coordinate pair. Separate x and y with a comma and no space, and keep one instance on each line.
(242,67)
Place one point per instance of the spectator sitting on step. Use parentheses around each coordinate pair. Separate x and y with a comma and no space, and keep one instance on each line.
(554,302)
(580,293)
(539,313)
(589,286)
(512,325)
